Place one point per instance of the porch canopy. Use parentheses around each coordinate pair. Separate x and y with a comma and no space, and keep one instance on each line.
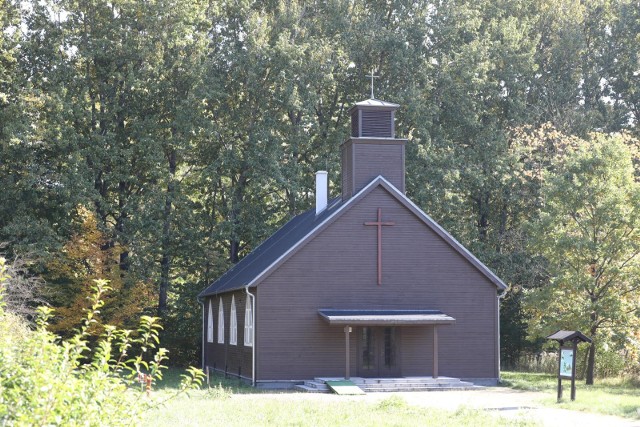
(385,317)
(348,318)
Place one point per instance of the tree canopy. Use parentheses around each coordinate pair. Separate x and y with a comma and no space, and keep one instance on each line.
(589,233)
(156,143)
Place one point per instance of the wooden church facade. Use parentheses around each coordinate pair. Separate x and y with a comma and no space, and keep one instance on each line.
(364,285)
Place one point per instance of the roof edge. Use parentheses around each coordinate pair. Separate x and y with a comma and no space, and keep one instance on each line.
(402,198)
(315,230)
(444,234)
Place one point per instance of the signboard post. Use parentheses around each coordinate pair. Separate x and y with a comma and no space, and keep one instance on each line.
(567,369)
(567,358)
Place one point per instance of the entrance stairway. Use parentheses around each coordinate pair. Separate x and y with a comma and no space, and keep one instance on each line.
(318,385)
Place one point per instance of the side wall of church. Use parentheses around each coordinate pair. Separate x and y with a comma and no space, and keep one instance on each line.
(232,359)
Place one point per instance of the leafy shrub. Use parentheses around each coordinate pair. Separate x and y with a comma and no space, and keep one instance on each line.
(392,402)
(48,381)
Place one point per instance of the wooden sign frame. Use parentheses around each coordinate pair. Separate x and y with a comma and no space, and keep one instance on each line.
(567,368)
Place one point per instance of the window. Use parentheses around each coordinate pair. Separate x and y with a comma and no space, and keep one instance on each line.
(210,324)
(248,323)
(233,323)
(221,323)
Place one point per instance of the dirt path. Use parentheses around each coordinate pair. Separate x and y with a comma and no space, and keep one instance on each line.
(506,402)
(518,404)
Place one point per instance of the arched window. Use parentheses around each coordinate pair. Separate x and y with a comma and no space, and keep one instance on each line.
(233,323)
(210,324)
(221,323)
(248,323)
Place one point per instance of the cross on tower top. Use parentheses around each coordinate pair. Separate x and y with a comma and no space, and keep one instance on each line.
(372,77)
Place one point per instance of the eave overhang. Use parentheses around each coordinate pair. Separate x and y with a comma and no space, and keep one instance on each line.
(562,336)
(384,317)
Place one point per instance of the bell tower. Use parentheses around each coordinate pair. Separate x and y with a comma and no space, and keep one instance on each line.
(372,149)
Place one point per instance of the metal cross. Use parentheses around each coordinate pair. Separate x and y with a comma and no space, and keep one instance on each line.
(372,77)
(379,224)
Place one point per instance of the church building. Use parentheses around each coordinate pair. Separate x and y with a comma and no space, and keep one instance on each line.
(365,285)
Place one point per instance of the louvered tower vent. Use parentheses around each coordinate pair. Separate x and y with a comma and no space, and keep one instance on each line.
(373,148)
(373,119)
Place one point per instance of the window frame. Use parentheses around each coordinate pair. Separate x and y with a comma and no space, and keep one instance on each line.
(248,324)
(221,322)
(210,323)
(233,322)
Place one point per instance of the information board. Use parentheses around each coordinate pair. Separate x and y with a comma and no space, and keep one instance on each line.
(566,362)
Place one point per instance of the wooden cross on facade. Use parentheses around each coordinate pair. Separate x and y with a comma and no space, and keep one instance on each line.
(379,224)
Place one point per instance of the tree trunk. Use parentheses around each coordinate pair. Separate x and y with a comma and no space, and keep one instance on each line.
(236,207)
(591,360)
(120,226)
(165,262)
(483,216)
(591,363)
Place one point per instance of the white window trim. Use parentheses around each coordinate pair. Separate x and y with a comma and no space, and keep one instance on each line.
(248,324)
(221,323)
(210,323)
(233,323)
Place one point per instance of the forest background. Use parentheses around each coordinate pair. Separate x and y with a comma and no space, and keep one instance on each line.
(155,143)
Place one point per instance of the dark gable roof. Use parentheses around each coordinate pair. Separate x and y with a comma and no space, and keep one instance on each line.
(249,267)
(301,228)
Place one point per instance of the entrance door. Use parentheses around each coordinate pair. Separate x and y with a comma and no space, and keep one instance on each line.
(378,354)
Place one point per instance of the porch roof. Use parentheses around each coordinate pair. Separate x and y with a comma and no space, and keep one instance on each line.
(385,317)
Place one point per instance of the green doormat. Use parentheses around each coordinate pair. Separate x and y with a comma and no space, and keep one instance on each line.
(344,387)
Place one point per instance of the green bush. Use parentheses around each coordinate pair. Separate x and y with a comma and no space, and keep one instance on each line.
(48,381)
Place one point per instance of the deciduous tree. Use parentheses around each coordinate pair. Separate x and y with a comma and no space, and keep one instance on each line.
(589,233)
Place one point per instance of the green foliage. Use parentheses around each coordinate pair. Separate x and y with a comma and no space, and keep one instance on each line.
(190,130)
(589,232)
(513,330)
(393,402)
(48,381)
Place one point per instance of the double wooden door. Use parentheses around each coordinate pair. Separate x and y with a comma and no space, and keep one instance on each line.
(378,351)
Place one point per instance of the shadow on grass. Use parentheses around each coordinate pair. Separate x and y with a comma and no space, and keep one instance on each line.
(172,377)
(609,396)
(528,381)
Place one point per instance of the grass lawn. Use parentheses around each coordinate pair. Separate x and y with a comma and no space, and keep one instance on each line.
(613,396)
(227,403)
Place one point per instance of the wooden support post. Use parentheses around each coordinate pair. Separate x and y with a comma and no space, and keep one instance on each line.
(573,370)
(347,329)
(559,377)
(435,351)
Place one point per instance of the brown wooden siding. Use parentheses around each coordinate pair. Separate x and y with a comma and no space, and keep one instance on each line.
(347,168)
(365,159)
(234,359)
(338,269)
(372,160)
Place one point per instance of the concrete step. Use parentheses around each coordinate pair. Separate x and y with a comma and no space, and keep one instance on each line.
(399,384)
(412,380)
(416,387)
(394,389)
(313,387)
(320,385)
(307,389)
(425,383)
